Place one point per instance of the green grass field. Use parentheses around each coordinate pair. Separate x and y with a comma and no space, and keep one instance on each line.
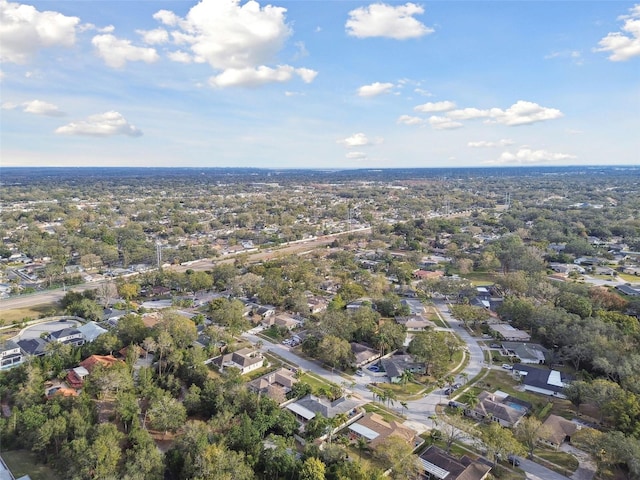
(23,462)
(7,317)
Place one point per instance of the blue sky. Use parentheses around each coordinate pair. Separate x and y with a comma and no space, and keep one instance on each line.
(319,84)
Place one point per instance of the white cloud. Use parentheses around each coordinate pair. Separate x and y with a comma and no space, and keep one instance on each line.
(468,113)
(180,57)
(24,30)
(431,107)
(381,20)
(625,44)
(574,55)
(238,41)
(486,144)
(254,77)
(166,17)
(525,156)
(356,155)
(409,120)
(101,125)
(229,35)
(359,140)
(157,36)
(374,89)
(523,113)
(443,123)
(116,52)
(520,113)
(38,107)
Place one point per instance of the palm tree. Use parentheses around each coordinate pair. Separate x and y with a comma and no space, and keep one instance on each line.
(406,376)
(464,376)
(391,398)
(471,399)
(335,422)
(404,406)
(361,445)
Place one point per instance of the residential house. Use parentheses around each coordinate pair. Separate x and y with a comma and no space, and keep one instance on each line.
(94,360)
(375,430)
(557,430)
(499,407)
(246,360)
(415,306)
(282,320)
(530,353)
(628,290)
(509,333)
(309,406)
(415,323)
(363,354)
(316,303)
(75,377)
(440,465)
(357,304)
(68,336)
(274,385)
(10,355)
(36,347)
(540,380)
(91,330)
(396,365)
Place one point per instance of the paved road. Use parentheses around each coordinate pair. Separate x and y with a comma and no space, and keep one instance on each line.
(299,247)
(419,411)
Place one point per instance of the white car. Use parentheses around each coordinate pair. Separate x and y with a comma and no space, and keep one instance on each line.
(506,366)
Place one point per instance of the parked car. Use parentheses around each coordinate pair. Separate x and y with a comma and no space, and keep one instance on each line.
(453,404)
(360,373)
(513,460)
(506,366)
(448,391)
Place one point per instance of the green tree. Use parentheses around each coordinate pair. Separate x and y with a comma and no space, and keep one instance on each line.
(312,469)
(131,329)
(528,431)
(394,453)
(127,409)
(335,351)
(166,414)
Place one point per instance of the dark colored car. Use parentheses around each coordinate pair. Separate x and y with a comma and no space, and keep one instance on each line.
(513,460)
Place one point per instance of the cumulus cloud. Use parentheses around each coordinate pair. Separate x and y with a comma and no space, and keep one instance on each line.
(625,44)
(38,107)
(443,123)
(24,30)
(157,36)
(117,52)
(525,156)
(101,125)
(409,120)
(359,140)
(520,113)
(238,41)
(432,107)
(486,144)
(356,155)
(374,89)
(382,20)
(254,77)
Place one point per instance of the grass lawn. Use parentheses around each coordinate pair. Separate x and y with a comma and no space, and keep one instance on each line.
(316,382)
(402,390)
(480,279)
(388,415)
(625,277)
(16,315)
(23,462)
(565,460)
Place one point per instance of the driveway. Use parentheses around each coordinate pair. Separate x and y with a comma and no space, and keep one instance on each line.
(34,331)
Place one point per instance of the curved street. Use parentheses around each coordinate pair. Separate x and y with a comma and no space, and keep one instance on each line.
(419,411)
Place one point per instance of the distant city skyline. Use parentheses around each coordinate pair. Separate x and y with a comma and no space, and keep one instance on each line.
(312,84)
